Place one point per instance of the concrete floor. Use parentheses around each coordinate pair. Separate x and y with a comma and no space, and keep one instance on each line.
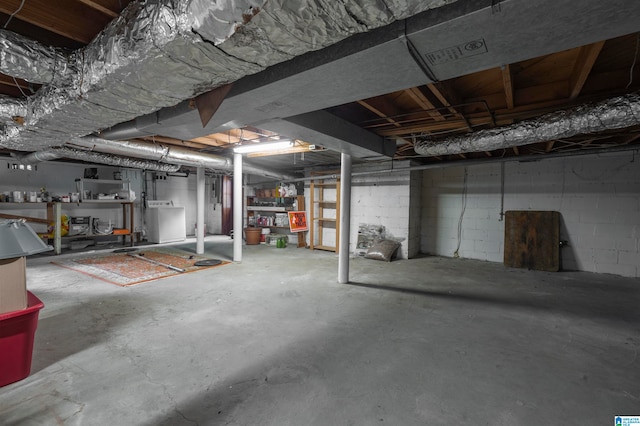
(275,340)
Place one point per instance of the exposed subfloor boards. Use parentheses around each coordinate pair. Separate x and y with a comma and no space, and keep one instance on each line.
(274,340)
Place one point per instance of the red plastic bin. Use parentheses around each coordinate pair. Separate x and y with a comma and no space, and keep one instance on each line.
(17,330)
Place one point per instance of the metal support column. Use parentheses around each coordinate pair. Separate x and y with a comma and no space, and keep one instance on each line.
(237,207)
(200,211)
(54,214)
(345,218)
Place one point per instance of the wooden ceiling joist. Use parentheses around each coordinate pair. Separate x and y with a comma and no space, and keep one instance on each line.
(173,141)
(582,68)
(630,139)
(507,82)
(71,23)
(97,6)
(419,98)
(9,81)
(379,113)
(218,139)
(433,127)
(446,96)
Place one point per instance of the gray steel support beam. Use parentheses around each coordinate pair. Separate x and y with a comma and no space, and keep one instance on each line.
(332,132)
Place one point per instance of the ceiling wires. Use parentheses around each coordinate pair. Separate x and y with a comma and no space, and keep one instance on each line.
(6,24)
(14,14)
(456,254)
(635,59)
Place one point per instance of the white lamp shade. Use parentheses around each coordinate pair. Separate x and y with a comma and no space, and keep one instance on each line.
(17,239)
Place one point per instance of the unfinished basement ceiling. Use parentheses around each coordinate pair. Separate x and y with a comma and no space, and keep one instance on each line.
(379,81)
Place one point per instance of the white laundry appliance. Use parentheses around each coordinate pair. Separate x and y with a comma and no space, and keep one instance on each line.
(166,223)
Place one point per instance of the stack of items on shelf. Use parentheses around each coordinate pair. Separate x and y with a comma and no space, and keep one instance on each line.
(277,192)
(282,219)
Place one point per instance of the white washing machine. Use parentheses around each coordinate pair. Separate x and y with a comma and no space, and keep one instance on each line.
(166,223)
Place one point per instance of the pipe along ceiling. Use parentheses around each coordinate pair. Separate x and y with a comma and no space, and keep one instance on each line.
(156,54)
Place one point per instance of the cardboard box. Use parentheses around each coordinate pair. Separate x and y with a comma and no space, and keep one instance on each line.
(13,284)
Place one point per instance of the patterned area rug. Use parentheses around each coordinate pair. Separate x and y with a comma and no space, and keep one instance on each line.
(125,270)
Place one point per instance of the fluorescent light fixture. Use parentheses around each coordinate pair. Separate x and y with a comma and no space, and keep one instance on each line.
(263,147)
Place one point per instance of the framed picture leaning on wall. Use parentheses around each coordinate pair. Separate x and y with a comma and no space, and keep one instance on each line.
(298,221)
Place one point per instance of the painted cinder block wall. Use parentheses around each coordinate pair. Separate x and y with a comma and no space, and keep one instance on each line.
(392,200)
(384,199)
(598,197)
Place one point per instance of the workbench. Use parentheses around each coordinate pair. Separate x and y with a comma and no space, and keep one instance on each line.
(54,216)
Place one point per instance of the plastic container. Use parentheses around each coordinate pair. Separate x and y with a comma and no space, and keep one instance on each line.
(17,330)
(263,237)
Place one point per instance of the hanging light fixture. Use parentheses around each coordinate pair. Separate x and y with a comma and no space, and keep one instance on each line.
(263,147)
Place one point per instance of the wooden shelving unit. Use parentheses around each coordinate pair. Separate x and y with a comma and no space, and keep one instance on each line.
(266,207)
(321,211)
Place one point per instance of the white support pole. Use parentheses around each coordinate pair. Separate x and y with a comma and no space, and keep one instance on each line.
(200,211)
(237,207)
(57,230)
(345,218)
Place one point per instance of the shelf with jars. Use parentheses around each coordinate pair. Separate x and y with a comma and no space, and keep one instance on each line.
(272,213)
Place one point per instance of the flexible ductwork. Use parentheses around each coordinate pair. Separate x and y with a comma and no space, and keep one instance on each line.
(171,154)
(193,159)
(10,108)
(31,61)
(95,157)
(155,152)
(615,113)
(158,53)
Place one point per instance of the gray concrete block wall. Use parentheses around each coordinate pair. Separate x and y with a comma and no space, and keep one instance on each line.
(415,207)
(383,199)
(386,205)
(598,197)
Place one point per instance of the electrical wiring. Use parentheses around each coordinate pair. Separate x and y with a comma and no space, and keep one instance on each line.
(633,65)
(456,253)
(6,24)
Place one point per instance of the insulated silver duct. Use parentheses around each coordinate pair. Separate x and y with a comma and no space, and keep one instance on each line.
(614,113)
(95,157)
(11,108)
(158,53)
(171,154)
(31,61)
(155,151)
